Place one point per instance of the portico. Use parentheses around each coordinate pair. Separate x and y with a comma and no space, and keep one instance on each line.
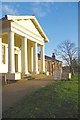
(21,36)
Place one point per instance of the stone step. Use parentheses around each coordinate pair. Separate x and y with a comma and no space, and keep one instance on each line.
(28,77)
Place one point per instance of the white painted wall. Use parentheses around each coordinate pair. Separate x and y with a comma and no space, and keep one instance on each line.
(5,66)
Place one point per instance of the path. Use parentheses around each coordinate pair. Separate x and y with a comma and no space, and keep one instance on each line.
(12,93)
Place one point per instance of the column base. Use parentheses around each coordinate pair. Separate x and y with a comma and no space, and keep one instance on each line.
(13,76)
(47,73)
(27,73)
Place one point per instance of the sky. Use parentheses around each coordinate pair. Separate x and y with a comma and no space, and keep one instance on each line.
(59,20)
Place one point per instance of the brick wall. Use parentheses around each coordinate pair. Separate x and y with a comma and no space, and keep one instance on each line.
(53,68)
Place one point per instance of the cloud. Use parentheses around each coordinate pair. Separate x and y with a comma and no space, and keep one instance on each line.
(7,9)
(38,11)
(41,9)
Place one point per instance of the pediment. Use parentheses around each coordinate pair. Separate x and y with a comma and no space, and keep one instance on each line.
(28,24)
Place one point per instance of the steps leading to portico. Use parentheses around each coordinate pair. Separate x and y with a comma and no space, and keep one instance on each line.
(27,77)
(39,76)
(33,76)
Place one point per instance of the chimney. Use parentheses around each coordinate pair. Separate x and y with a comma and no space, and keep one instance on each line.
(53,56)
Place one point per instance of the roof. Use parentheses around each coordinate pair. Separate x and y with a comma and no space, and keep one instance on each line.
(32,18)
(49,58)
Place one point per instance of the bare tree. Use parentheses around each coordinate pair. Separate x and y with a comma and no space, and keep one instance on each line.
(67,51)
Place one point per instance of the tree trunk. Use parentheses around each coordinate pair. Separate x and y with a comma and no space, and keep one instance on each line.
(71,70)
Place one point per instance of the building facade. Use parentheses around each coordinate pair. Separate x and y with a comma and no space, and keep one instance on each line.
(19,41)
(53,66)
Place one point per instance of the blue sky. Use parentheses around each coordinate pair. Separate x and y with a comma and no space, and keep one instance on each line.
(59,20)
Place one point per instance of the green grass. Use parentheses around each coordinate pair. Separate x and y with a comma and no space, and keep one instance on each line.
(58,100)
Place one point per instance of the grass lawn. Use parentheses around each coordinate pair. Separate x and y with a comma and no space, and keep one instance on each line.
(58,100)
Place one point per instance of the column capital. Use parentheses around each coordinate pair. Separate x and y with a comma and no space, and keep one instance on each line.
(35,43)
(25,37)
(10,31)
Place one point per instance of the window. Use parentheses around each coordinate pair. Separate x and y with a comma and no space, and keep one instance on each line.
(3,54)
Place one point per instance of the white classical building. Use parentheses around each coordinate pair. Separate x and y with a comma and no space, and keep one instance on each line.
(21,35)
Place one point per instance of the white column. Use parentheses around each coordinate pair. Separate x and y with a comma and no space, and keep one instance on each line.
(24,56)
(0,54)
(42,59)
(31,59)
(35,59)
(19,61)
(11,66)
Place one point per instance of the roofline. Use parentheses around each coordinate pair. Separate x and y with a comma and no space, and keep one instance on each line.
(41,28)
(13,17)
(50,58)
